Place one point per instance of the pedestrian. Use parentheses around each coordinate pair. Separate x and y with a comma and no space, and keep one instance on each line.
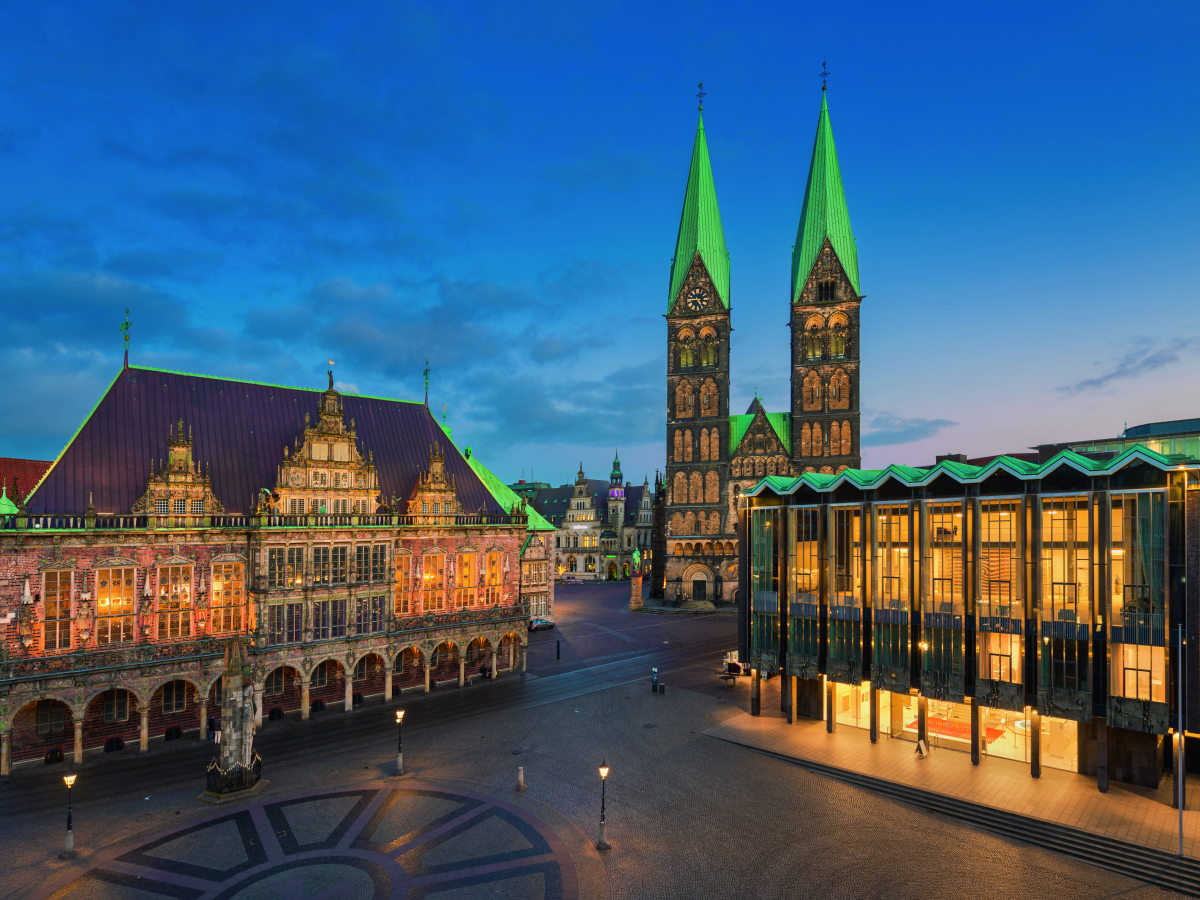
(212,728)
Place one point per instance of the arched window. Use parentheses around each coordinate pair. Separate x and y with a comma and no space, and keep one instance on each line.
(818,441)
(708,398)
(812,344)
(760,467)
(679,493)
(687,549)
(805,440)
(708,548)
(703,445)
(714,523)
(737,468)
(687,445)
(771,466)
(712,488)
(839,390)
(826,470)
(678,445)
(684,400)
(678,549)
(714,447)
(572,565)
(808,469)
(685,355)
(689,523)
(676,523)
(695,489)
(810,394)
(837,343)
(847,439)
(835,438)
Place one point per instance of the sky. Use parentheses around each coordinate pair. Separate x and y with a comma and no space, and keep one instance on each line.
(496,189)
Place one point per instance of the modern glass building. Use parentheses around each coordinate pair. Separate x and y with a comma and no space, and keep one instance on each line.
(1033,612)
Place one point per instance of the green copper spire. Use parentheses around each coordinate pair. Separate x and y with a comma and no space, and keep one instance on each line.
(824,214)
(700,226)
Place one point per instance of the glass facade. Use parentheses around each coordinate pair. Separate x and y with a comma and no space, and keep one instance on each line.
(892,598)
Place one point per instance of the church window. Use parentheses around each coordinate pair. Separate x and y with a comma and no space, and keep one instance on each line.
(174,602)
(714,447)
(708,398)
(770,466)
(684,400)
(689,523)
(228,596)
(760,467)
(805,440)
(180,507)
(685,355)
(737,468)
(710,354)
(678,445)
(847,441)
(826,291)
(812,344)
(320,451)
(174,696)
(680,493)
(818,441)
(687,445)
(837,344)
(56,608)
(704,445)
(114,605)
(835,438)
(839,390)
(341,452)
(810,394)
(712,488)
(162,507)
(695,488)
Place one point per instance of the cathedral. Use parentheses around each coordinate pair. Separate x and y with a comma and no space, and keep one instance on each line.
(712,454)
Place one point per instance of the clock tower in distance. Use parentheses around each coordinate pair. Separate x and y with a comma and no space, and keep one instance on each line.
(701,562)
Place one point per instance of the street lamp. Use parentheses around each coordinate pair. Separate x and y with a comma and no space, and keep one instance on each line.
(69,843)
(399,742)
(602,844)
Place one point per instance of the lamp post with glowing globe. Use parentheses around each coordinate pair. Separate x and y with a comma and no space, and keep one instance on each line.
(603,844)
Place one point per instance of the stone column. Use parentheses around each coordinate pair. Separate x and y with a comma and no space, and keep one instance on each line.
(493,665)
(204,720)
(387,681)
(425,666)
(258,706)
(635,591)
(5,754)
(348,704)
(511,651)
(874,715)
(975,732)
(462,669)
(1035,749)
(1102,755)
(830,714)
(524,657)
(78,742)
(922,716)
(305,703)
(144,732)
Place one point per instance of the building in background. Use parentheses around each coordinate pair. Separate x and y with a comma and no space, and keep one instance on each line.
(1178,437)
(344,535)
(600,524)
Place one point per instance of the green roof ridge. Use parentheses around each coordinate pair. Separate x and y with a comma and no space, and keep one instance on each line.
(505,496)
(700,228)
(824,214)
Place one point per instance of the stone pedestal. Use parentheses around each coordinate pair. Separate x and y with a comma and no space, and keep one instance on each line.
(237,771)
(635,591)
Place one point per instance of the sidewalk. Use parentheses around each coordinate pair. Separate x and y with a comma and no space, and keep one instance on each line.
(1126,813)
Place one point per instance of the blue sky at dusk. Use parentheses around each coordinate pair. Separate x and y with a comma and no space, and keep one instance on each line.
(495,188)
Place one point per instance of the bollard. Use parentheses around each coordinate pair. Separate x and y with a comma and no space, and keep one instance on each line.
(662,690)
(558,649)
(520,778)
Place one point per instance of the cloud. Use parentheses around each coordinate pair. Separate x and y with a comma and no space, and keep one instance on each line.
(1144,356)
(888,430)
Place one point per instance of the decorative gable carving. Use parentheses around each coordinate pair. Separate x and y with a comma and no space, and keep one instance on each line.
(179,482)
(760,451)
(434,498)
(827,270)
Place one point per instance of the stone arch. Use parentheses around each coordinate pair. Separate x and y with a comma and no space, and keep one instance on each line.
(286,699)
(771,466)
(676,523)
(808,469)
(178,676)
(818,442)
(708,548)
(806,440)
(810,392)
(737,468)
(374,675)
(678,551)
(695,488)
(729,551)
(478,655)
(826,470)
(689,523)
(687,549)
(838,320)
(835,437)
(714,444)
(694,573)
(443,661)
(22,727)
(408,668)
(507,656)
(703,445)
(712,487)
(97,732)
(847,438)
(678,445)
(679,493)
(687,445)
(839,390)
(760,467)
(841,469)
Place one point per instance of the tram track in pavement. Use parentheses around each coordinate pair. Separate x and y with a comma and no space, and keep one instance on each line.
(293,740)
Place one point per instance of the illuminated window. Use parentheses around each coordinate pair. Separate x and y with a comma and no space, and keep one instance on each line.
(180,507)
(494,578)
(162,507)
(228,597)
(56,610)
(403,586)
(114,605)
(174,602)
(197,507)
(467,579)
(433,582)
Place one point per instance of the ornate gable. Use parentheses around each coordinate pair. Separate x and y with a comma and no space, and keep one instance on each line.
(434,498)
(179,488)
(827,281)
(326,473)
(760,451)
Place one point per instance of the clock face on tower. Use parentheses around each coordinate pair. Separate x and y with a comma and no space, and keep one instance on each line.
(695,301)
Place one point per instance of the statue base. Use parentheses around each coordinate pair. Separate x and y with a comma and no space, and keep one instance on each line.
(213,799)
(635,591)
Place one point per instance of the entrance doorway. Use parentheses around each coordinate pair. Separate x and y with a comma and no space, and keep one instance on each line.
(699,589)
(612,571)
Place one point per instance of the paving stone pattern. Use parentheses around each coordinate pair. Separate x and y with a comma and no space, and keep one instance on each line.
(689,816)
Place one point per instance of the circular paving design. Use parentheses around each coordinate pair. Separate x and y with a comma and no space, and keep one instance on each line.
(408,840)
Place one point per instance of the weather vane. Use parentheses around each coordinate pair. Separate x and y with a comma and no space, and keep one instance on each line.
(426,382)
(824,73)
(700,94)
(443,415)
(124,329)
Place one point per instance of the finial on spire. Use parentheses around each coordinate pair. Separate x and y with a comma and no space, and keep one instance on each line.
(124,329)
(426,373)
(700,94)
(443,415)
(824,73)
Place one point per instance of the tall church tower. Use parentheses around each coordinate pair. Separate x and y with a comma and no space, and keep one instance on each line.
(698,396)
(825,319)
